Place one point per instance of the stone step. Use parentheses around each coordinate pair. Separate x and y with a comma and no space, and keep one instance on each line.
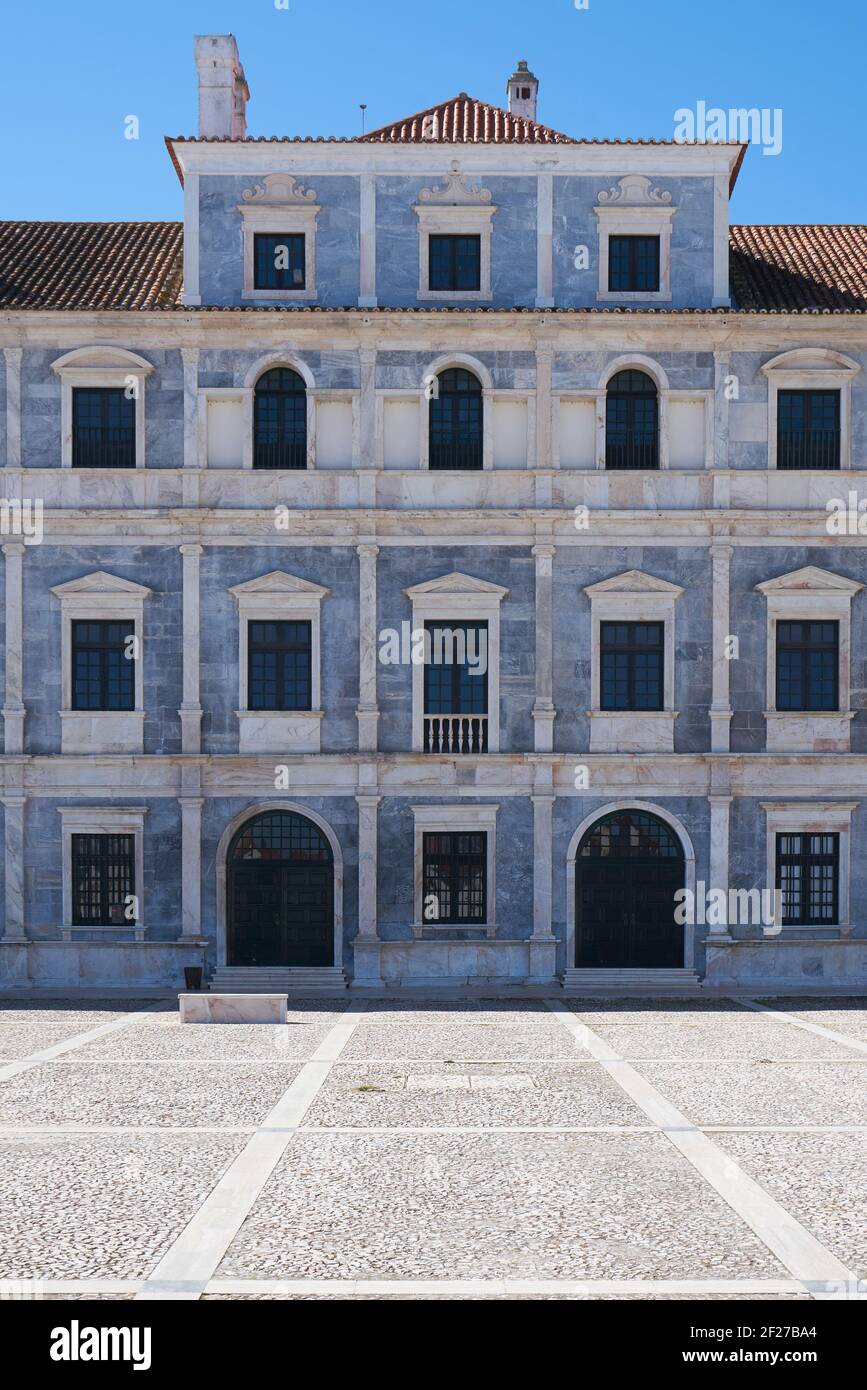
(229,979)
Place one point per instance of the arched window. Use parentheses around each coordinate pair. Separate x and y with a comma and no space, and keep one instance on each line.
(280,420)
(456,421)
(631,421)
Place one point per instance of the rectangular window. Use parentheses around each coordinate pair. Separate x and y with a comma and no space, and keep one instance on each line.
(455,262)
(808,429)
(103,427)
(633,263)
(808,665)
(103,665)
(456,687)
(278,261)
(455,878)
(631,656)
(103,880)
(279,665)
(807,873)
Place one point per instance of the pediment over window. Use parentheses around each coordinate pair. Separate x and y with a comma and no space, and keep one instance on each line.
(634,582)
(278,191)
(456,583)
(810,579)
(634,191)
(454,191)
(812,359)
(279,583)
(98,583)
(102,358)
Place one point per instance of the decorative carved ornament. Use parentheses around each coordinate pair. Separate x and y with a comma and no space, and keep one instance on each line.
(634,191)
(454,191)
(279,190)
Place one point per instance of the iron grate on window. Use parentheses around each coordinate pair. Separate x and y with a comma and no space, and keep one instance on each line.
(280,835)
(454,878)
(103,880)
(280,420)
(630,835)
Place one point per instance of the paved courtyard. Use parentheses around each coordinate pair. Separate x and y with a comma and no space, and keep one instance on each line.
(493,1149)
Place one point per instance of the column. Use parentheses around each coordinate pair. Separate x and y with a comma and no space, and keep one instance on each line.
(191,711)
(366,945)
(720,710)
(719,859)
(367,712)
(542,942)
(721,371)
(191,868)
(721,297)
(13,406)
(14,867)
(190,357)
(13,707)
(367,408)
(367,297)
(544,713)
(544,360)
(544,241)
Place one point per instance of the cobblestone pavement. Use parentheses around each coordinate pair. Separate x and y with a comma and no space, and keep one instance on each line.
(525,1149)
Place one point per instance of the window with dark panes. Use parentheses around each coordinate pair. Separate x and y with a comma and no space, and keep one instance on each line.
(808,664)
(808,429)
(633,264)
(631,421)
(279,665)
(454,262)
(103,880)
(103,427)
(450,685)
(280,420)
(103,665)
(807,874)
(278,261)
(455,421)
(631,670)
(455,877)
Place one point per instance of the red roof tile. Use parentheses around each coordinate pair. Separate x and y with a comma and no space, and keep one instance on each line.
(799,267)
(139,265)
(90,265)
(463,119)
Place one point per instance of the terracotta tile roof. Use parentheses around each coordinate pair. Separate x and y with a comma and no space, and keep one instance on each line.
(463,119)
(792,268)
(90,265)
(139,265)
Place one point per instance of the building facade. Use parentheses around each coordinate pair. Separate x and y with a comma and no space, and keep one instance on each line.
(430,562)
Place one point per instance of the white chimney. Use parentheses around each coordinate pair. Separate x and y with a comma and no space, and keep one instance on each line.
(223,90)
(521,89)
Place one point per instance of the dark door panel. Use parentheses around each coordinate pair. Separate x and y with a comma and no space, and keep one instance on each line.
(625,914)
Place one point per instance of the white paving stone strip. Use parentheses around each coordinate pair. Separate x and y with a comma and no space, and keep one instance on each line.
(49,1054)
(185,1269)
(804,1023)
(792,1244)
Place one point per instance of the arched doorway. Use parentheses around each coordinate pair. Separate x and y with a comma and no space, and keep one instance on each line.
(280,893)
(628,866)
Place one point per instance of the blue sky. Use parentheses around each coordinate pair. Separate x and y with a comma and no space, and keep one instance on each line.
(73,72)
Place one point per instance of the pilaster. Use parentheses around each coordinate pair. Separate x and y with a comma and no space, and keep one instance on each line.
(13,708)
(191,710)
(366,944)
(544,713)
(367,712)
(720,710)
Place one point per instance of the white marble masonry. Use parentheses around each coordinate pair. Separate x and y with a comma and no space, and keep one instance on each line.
(233,1008)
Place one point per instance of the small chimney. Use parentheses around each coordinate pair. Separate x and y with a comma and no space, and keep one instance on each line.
(223,90)
(521,90)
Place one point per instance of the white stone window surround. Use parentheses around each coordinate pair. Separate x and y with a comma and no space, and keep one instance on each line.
(265,364)
(813,818)
(632,597)
(95,597)
(634,207)
(809,595)
(811,369)
(572,853)
(279,597)
(454,208)
(101,367)
(103,820)
(478,369)
(458,597)
(279,206)
(463,819)
(637,362)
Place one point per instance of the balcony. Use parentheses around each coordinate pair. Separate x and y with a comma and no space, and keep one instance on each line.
(95,446)
(816,449)
(456,733)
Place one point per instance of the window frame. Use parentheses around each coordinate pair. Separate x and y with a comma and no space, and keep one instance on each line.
(435,400)
(305,412)
(281,649)
(103,392)
(97,367)
(813,818)
(805,648)
(455,208)
(102,820)
(634,207)
(102,648)
(632,396)
(454,859)
(811,369)
(279,238)
(453,238)
(631,650)
(633,239)
(807,860)
(808,392)
(461,819)
(279,206)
